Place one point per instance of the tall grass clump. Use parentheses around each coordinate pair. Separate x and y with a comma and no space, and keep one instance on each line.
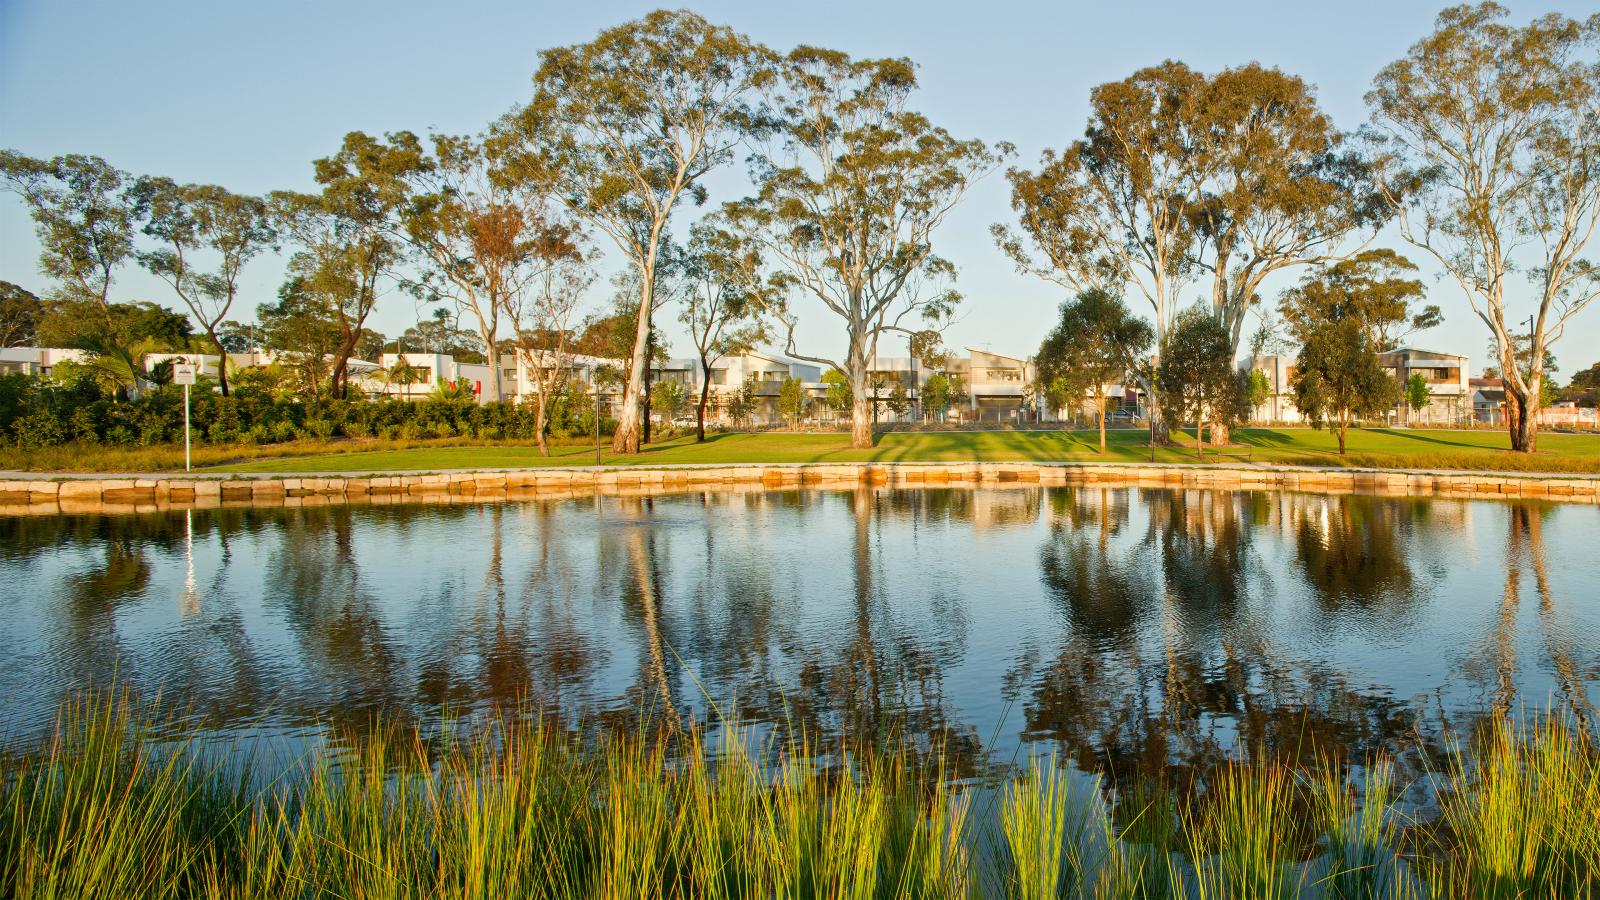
(102,808)
(106,805)
(1522,818)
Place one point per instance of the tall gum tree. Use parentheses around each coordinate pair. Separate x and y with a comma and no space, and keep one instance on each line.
(484,231)
(625,127)
(350,233)
(544,321)
(726,299)
(849,192)
(83,218)
(1113,209)
(1281,190)
(1488,136)
(192,222)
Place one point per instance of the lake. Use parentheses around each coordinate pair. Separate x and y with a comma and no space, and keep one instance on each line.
(1132,628)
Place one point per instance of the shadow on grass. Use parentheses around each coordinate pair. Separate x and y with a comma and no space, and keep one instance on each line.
(1421,438)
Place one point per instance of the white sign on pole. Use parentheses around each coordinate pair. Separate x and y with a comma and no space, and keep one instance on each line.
(183,373)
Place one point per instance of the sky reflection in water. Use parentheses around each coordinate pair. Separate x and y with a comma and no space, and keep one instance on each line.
(1134,628)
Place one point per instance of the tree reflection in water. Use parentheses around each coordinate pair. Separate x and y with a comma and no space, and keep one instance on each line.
(1140,629)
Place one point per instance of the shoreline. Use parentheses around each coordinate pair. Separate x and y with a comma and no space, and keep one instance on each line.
(44,493)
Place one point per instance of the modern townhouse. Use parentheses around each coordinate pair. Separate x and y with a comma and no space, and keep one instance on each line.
(1450,396)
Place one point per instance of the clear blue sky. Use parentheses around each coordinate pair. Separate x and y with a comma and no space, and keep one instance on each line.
(247,94)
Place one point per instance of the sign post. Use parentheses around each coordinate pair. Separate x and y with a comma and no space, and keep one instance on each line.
(184,373)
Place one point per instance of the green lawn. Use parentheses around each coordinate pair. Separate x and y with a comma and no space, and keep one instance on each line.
(1375,448)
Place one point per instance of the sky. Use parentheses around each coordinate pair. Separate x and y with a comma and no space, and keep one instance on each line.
(246,95)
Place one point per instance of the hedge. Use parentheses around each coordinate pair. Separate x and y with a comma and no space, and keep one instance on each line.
(38,412)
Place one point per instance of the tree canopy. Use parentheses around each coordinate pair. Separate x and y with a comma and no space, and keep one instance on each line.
(849,192)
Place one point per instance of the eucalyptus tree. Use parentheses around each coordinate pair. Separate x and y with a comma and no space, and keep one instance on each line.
(1114,209)
(83,219)
(1490,138)
(1095,341)
(189,223)
(1183,176)
(1371,287)
(350,234)
(726,301)
(484,231)
(544,319)
(1280,190)
(849,193)
(20,312)
(625,127)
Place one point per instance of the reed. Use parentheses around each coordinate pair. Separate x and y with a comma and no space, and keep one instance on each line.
(109,805)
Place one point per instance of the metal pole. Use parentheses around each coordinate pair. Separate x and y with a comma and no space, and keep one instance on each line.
(596,421)
(186,428)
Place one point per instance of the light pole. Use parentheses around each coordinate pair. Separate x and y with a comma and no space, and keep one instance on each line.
(594,376)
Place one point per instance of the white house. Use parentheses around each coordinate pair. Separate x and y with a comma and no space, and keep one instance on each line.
(37,360)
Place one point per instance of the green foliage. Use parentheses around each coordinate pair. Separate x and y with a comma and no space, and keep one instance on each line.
(897,400)
(20,312)
(82,217)
(1369,286)
(1488,142)
(69,323)
(1096,342)
(792,400)
(839,396)
(40,412)
(941,391)
(857,168)
(1417,393)
(1338,378)
(1260,388)
(451,390)
(667,399)
(1197,379)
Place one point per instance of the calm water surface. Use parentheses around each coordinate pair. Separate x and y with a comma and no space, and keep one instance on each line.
(1129,627)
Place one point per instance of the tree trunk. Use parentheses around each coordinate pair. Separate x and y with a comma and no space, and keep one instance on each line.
(491,385)
(705,395)
(1522,413)
(860,402)
(1200,438)
(222,361)
(626,437)
(1220,433)
(1102,402)
(860,422)
(541,423)
(1342,426)
(1160,432)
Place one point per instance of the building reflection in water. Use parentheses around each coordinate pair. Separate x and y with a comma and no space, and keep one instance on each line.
(1133,628)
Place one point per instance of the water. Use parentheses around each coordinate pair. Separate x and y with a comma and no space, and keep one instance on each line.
(1130,628)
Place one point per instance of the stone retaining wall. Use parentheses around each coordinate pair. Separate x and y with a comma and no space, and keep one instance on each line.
(45,496)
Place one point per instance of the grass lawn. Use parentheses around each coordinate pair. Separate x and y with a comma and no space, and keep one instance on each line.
(1396,448)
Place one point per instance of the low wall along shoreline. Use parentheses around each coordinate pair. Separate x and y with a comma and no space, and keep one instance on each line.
(116,494)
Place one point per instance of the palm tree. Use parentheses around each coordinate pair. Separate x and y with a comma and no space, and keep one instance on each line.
(120,368)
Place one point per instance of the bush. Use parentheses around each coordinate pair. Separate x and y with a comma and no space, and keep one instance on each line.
(42,412)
